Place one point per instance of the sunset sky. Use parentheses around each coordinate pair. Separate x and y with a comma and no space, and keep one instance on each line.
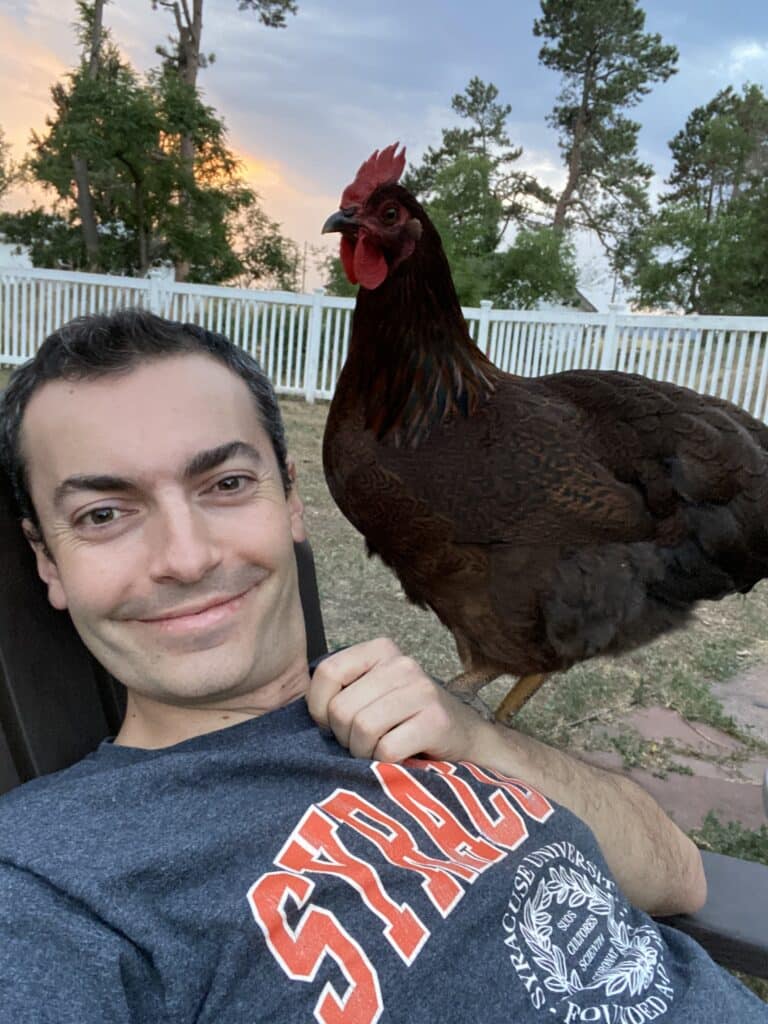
(306,104)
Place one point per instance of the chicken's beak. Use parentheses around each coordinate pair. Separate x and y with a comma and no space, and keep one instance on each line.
(343,221)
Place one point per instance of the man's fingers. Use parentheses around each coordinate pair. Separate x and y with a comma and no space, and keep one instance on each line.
(380,704)
(408,739)
(368,700)
(378,721)
(343,668)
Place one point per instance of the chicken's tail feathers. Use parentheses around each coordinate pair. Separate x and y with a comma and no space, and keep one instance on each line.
(618,597)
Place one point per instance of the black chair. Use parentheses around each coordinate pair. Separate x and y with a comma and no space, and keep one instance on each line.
(57,703)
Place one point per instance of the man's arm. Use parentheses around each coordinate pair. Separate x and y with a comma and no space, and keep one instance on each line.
(380,704)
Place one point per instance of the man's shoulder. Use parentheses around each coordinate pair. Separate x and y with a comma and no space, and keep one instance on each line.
(37,803)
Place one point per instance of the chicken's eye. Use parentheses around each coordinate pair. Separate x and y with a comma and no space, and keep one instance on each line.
(389,215)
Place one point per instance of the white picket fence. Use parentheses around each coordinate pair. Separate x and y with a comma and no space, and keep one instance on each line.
(301,340)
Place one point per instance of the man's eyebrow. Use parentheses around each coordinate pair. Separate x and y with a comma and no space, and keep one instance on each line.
(89,482)
(201,462)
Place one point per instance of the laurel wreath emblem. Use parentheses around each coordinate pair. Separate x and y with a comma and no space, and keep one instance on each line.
(638,950)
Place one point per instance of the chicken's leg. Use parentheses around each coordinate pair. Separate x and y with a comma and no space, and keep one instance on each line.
(521,692)
(466,684)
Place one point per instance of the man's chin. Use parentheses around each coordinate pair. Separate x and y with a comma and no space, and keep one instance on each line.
(191,679)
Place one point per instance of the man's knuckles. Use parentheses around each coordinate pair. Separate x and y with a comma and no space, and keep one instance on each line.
(385,647)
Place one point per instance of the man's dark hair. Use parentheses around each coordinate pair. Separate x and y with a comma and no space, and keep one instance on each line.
(98,346)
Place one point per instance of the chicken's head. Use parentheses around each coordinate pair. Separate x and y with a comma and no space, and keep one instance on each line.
(378,230)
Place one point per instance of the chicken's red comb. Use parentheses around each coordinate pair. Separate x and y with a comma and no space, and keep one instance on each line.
(381,168)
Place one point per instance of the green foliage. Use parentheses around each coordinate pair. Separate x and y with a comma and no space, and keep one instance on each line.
(267,258)
(185,47)
(485,144)
(706,249)
(732,839)
(722,150)
(7,167)
(607,63)
(127,131)
(473,193)
(335,280)
(271,12)
(466,212)
(153,200)
(541,264)
(53,240)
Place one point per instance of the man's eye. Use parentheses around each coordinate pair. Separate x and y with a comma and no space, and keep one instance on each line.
(100,517)
(232,484)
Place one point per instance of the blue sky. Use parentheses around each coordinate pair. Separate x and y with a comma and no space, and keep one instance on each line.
(306,104)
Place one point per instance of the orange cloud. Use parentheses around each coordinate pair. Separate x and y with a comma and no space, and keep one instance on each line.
(30,67)
(28,70)
(292,201)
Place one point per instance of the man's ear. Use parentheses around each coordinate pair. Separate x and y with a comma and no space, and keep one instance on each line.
(295,504)
(46,567)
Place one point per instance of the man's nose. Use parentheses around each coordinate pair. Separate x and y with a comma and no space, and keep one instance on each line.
(183,546)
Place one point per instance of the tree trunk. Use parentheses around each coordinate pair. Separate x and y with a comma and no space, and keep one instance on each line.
(574,163)
(190,33)
(98,21)
(79,166)
(574,173)
(86,212)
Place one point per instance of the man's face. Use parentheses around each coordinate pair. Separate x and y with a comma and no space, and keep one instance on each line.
(171,539)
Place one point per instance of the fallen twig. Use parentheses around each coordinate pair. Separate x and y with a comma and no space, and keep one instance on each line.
(709,739)
(587,718)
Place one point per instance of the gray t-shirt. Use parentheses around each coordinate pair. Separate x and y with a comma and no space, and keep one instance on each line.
(260,873)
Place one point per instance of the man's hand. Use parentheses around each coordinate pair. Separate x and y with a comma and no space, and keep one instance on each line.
(380,704)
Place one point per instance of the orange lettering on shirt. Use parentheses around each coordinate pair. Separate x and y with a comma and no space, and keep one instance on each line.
(301,951)
(398,846)
(532,802)
(314,846)
(438,821)
(506,828)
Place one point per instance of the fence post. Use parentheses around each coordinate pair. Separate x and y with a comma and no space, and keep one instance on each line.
(482,325)
(608,355)
(314,334)
(155,296)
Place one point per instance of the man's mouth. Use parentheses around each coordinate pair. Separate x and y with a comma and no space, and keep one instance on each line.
(197,617)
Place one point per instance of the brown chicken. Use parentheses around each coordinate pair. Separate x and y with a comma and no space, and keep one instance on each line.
(547,520)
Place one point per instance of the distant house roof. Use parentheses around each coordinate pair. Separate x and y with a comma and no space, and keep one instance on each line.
(581,302)
(587,305)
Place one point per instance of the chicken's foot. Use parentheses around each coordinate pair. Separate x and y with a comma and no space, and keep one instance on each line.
(466,684)
(521,692)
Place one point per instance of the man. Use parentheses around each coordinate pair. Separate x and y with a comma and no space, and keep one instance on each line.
(223,858)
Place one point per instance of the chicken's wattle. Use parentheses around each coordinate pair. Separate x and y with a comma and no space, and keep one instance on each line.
(363,261)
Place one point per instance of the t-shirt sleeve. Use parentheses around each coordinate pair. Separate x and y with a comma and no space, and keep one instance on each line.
(60,964)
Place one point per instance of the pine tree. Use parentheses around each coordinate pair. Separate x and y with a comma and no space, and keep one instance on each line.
(706,249)
(607,63)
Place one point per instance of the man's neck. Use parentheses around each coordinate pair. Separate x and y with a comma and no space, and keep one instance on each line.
(151,724)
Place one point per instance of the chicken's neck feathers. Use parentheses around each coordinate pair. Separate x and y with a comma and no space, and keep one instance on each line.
(411,356)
